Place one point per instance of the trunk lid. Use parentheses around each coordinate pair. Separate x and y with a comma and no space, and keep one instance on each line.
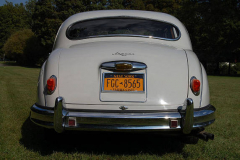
(166,74)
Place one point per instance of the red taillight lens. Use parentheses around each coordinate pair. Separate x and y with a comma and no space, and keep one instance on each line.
(51,84)
(72,121)
(195,85)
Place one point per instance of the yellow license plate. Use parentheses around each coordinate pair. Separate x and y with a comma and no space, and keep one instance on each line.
(123,82)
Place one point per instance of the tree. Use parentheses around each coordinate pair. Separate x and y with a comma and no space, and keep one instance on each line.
(166,6)
(16,43)
(46,23)
(66,8)
(13,18)
(134,4)
(213,25)
(30,6)
(95,4)
(23,47)
(115,4)
(49,15)
(214,28)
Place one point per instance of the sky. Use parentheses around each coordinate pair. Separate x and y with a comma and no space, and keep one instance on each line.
(2,2)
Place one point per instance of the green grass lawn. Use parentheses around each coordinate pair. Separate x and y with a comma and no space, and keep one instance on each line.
(21,139)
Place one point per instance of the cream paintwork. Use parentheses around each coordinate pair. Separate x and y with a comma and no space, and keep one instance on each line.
(40,96)
(51,68)
(76,64)
(205,95)
(194,69)
(166,65)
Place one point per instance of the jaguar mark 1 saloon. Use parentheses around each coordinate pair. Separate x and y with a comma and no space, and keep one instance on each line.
(124,70)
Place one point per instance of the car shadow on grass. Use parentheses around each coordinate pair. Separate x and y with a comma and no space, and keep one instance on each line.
(35,138)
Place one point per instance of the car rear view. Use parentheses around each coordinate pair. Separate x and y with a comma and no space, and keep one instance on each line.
(124,71)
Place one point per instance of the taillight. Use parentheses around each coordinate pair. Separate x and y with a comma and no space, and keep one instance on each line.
(195,86)
(51,84)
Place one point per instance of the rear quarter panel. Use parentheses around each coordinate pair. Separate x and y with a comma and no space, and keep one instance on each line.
(51,68)
(194,69)
(205,95)
(40,96)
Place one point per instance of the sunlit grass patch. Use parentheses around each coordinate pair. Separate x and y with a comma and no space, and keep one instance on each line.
(21,139)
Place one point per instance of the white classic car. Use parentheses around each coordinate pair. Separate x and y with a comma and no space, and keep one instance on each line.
(123,70)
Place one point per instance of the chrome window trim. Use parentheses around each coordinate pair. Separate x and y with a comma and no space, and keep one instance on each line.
(201,85)
(122,35)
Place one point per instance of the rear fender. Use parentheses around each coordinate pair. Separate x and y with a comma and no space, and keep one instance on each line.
(51,68)
(40,87)
(194,70)
(205,95)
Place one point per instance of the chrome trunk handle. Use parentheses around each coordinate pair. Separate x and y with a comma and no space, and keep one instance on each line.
(123,66)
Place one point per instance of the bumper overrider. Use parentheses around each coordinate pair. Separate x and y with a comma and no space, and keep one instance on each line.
(185,119)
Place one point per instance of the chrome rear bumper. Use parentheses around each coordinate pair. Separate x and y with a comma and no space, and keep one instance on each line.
(187,119)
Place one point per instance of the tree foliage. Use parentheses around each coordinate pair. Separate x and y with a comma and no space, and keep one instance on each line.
(213,25)
(23,47)
(49,14)
(214,28)
(13,18)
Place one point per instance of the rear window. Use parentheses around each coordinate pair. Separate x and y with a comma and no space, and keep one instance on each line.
(122,26)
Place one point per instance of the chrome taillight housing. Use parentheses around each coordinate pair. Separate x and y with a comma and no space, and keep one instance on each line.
(51,84)
(195,86)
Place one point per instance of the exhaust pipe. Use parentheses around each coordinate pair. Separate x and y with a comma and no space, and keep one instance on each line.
(209,135)
(205,136)
(202,136)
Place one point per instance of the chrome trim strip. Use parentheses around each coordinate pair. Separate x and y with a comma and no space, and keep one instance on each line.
(41,110)
(123,35)
(201,113)
(201,85)
(120,111)
(208,107)
(136,66)
(203,124)
(159,115)
(108,65)
(188,73)
(146,84)
(136,128)
(128,35)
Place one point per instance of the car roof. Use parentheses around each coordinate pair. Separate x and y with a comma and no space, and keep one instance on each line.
(184,41)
